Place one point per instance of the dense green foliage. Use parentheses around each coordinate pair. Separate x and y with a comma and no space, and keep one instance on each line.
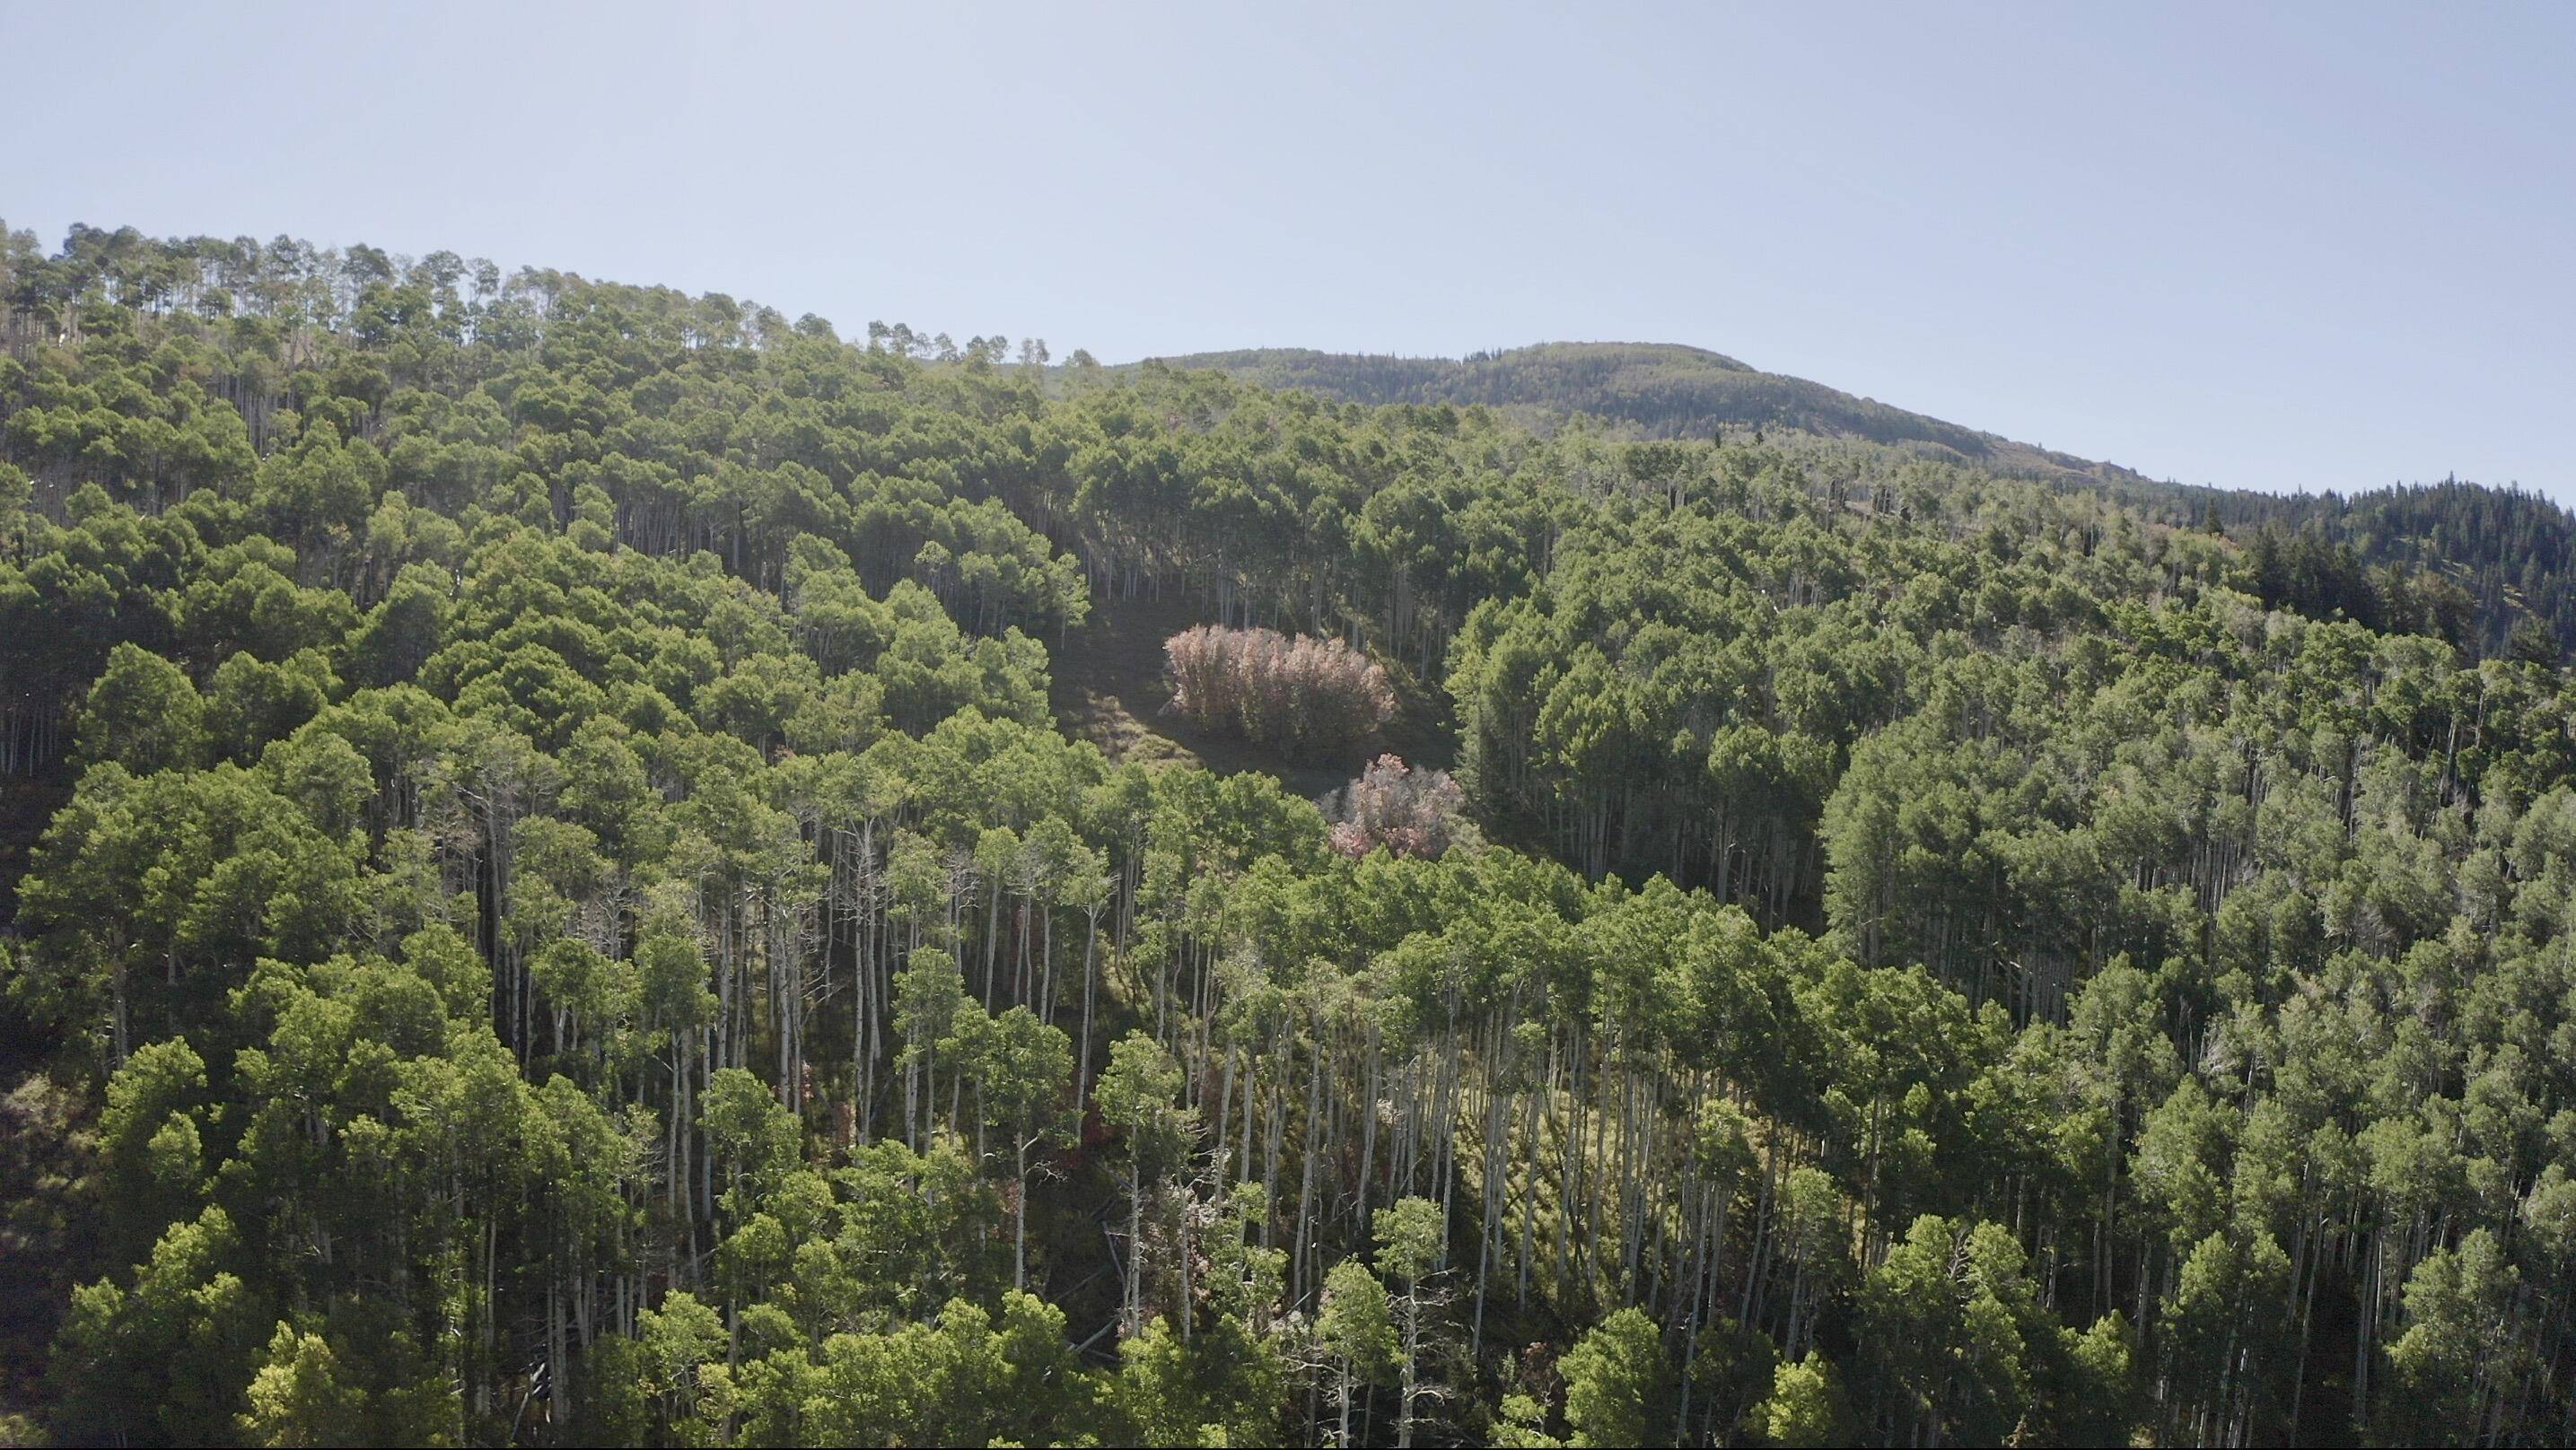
(573,920)
(2455,559)
(2494,561)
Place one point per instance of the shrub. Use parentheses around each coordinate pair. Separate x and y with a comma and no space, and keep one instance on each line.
(1302,694)
(1410,812)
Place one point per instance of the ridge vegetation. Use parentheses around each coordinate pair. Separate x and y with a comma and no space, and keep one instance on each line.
(2505,551)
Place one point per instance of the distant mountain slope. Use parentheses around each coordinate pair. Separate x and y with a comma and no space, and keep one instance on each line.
(1657,390)
(2510,552)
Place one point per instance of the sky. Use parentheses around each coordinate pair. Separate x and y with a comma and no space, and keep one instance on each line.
(2282,246)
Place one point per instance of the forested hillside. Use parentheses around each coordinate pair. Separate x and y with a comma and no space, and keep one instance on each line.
(567,915)
(2506,558)
(2506,551)
(1648,390)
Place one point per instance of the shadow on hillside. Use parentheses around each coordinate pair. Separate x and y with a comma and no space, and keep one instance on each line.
(26,807)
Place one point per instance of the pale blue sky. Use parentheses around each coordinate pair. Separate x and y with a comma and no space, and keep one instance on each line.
(2278,247)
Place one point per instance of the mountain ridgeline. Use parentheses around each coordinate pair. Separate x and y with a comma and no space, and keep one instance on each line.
(575,905)
(2459,558)
(1647,390)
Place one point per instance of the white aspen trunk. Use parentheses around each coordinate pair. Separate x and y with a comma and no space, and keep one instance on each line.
(1306,1177)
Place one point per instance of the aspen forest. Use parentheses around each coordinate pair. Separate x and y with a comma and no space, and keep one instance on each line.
(555,893)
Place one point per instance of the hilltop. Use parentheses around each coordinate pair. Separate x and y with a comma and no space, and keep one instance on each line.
(1644,390)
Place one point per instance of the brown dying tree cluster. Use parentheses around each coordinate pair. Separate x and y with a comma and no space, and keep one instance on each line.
(1300,693)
